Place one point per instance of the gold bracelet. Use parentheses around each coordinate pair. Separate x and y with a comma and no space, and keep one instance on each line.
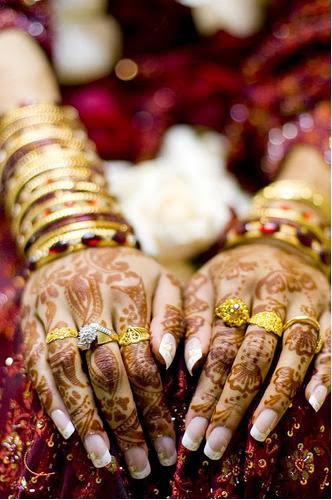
(32,221)
(59,199)
(286,234)
(86,225)
(46,177)
(55,217)
(66,112)
(291,215)
(16,127)
(294,191)
(30,198)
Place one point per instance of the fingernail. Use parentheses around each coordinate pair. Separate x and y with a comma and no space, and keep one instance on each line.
(62,423)
(193,353)
(317,398)
(263,424)
(167,349)
(194,434)
(138,463)
(217,443)
(165,448)
(98,451)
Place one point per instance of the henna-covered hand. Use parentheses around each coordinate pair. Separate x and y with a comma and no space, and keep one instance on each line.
(237,360)
(115,288)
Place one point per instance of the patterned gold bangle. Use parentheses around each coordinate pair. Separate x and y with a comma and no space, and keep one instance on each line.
(51,174)
(269,320)
(23,239)
(59,187)
(60,334)
(133,335)
(57,202)
(62,232)
(287,215)
(12,130)
(294,191)
(32,221)
(19,113)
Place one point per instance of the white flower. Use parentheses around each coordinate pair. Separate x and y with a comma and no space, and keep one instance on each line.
(87,42)
(179,202)
(238,17)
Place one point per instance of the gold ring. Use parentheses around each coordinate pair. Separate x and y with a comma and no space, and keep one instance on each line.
(60,334)
(133,335)
(269,320)
(233,312)
(308,321)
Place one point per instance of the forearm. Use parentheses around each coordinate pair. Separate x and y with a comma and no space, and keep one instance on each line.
(53,184)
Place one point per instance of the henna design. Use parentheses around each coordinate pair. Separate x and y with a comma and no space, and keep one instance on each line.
(84,297)
(193,305)
(286,381)
(173,322)
(105,372)
(302,339)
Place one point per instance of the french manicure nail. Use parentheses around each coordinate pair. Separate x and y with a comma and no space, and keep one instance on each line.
(317,398)
(194,350)
(194,434)
(138,463)
(217,442)
(98,451)
(264,424)
(165,448)
(63,423)
(167,349)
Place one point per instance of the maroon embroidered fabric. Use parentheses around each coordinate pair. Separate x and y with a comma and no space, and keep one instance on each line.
(183,78)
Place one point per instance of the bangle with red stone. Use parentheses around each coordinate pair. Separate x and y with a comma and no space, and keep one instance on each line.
(288,231)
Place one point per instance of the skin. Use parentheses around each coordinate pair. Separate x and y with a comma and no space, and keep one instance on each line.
(116,288)
(236,361)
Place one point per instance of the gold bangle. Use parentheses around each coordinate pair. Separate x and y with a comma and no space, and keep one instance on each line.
(56,202)
(67,112)
(49,176)
(307,321)
(291,215)
(269,320)
(72,249)
(22,206)
(16,127)
(58,234)
(23,239)
(133,335)
(60,334)
(294,191)
(30,222)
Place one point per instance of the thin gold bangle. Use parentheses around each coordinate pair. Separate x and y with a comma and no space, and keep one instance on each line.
(61,214)
(85,226)
(19,113)
(49,175)
(34,121)
(56,201)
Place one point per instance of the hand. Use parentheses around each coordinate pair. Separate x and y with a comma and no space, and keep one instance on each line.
(266,278)
(115,288)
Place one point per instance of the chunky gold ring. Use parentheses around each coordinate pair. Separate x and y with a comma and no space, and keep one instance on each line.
(269,320)
(308,321)
(133,335)
(60,334)
(233,312)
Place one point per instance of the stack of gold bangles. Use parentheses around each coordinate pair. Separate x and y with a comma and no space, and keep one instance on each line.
(53,185)
(96,333)
(273,217)
(235,313)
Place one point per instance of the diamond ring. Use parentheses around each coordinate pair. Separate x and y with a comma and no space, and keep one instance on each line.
(94,331)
